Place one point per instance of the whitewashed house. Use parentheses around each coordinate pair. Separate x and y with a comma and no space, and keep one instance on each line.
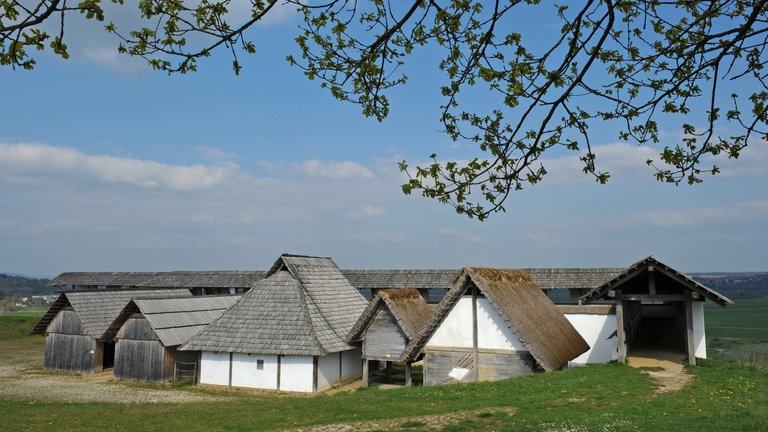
(287,332)
(493,324)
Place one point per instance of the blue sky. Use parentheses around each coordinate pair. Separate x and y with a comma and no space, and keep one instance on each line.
(108,166)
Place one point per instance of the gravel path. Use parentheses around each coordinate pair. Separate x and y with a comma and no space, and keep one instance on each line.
(22,377)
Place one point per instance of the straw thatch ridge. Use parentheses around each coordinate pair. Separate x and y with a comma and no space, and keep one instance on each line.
(97,309)
(304,306)
(651,262)
(95,279)
(527,311)
(407,305)
(174,320)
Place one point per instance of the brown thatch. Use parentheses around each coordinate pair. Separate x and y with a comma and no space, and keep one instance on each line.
(304,306)
(637,272)
(527,311)
(407,305)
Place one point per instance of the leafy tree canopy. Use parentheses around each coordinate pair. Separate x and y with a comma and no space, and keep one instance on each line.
(632,65)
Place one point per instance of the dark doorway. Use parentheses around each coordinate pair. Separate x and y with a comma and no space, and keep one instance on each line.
(109,355)
(660,329)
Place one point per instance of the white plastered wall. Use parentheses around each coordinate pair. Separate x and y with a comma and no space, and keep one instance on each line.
(352,364)
(296,373)
(492,331)
(245,371)
(699,336)
(214,368)
(599,331)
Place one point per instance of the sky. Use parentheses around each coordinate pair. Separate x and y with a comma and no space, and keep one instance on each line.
(106,165)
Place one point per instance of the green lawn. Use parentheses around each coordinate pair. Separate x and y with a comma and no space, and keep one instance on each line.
(739,331)
(611,397)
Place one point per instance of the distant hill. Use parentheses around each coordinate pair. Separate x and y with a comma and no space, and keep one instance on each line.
(735,285)
(13,285)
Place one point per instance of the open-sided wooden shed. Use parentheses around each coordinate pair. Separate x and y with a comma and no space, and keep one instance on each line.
(657,309)
(494,324)
(75,325)
(391,320)
(148,332)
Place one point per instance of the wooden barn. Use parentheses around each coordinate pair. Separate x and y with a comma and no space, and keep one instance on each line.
(287,333)
(657,309)
(147,333)
(494,324)
(75,325)
(392,319)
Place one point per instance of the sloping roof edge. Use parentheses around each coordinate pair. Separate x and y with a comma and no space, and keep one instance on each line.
(640,266)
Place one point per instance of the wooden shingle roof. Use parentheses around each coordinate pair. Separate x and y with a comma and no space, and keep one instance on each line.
(204,279)
(652,264)
(174,320)
(407,306)
(304,306)
(527,311)
(115,279)
(98,308)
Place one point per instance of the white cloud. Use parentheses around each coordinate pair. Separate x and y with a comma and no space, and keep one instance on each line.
(29,162)
(367,212)
(726,214)
(335,170)
(461,235)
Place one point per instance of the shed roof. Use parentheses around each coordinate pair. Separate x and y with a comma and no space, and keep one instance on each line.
(174,320)
(304,306)
(205,279)
(97,309)
(407,305)
(116,279)
(527,311)
(645,265)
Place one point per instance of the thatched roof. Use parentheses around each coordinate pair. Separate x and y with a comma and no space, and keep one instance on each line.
(97,309)
(304,306)
(637,273)
(205,279)
(407,305)
(174,320)
(112,279)
(527,311)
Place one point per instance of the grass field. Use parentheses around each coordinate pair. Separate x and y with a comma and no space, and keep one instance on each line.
(738,332)
(723,396)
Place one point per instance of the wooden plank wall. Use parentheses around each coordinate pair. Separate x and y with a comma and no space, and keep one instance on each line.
(139,355)
(67,347)
(494,365)
(69,352)
(383,340)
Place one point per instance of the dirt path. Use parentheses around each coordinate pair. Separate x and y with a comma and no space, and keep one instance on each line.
(22,377)
(672,375)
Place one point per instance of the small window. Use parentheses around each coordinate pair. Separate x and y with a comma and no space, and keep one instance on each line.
(259,364)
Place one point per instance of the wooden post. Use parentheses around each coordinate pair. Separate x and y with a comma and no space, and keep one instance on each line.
(475,351)
(408,380)
(365,372)
(388,373)
(621,336)
(689,330)
(651,281)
